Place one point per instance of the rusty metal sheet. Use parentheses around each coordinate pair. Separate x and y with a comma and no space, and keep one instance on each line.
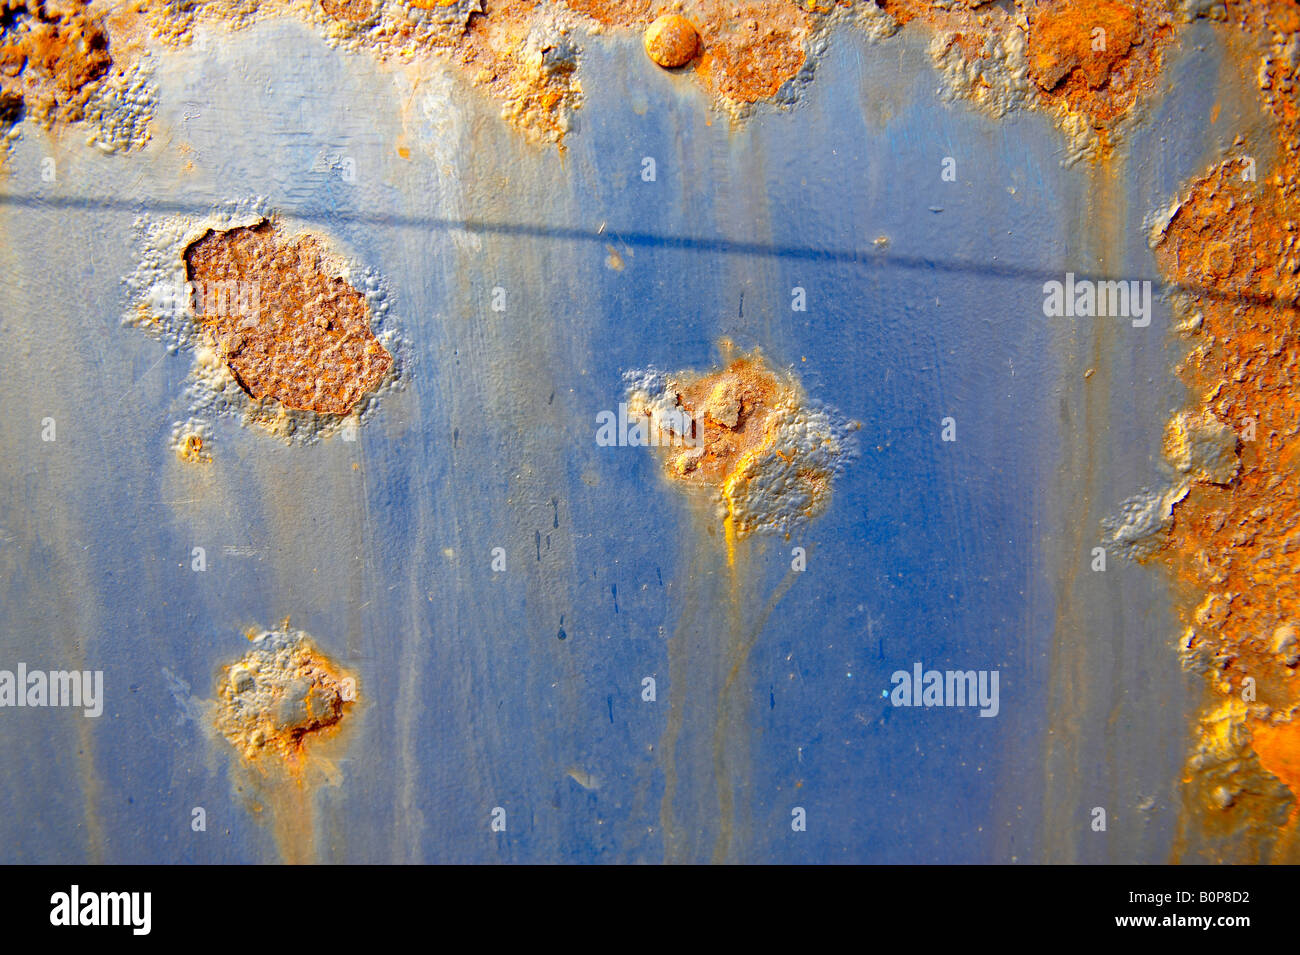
(421,610)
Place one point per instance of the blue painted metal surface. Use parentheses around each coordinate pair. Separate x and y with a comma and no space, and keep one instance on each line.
(770,684)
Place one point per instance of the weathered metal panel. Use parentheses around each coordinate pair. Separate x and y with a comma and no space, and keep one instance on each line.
(522,688)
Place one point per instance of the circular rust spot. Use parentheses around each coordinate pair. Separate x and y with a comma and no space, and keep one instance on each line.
(671,41)
(1218,261)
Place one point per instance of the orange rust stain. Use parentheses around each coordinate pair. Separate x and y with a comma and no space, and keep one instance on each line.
(536,80)
(284,708)
(355,11)
(727,411)
(1083,40)
(286,326)
(279,697)
(613,12)
(750,50)
(51,54)
(1090,61)
(1233,244)
(903,11)
(747,50)
(1278,748)
(968,24)
(1098,59)
(12,60)
(190,449)
(743,433)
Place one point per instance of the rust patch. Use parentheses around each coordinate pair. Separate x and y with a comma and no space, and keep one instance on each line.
(1234,540)
(746,434)
(1240,807)
(1087,41)
(280,697)
(729,410)
(191,448)
(350,11)
(1089,62)
(526,60)
(751,50)
(612,13)
(1096,56)
(51,53)
(1278,748)
(283,707)
(285,323)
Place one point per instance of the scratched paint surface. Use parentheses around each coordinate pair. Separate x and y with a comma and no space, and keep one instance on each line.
(522,689)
